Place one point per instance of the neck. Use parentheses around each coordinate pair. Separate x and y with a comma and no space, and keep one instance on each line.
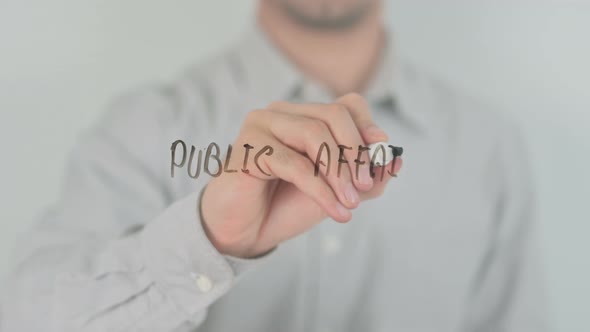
(342,60)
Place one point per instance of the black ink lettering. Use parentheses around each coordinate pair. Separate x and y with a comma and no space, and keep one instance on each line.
(173,153)
(319,162)
(372,167)
(358,160)
(396,151)
(190,162)
(341,159)
(227,158)
(208,156)
(245,166)
(264,149)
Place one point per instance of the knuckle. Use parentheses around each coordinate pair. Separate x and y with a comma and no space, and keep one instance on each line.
(281,156)
(301,166)
(339,110)
(254,116)
(315,128)
(356,99)
(277,105)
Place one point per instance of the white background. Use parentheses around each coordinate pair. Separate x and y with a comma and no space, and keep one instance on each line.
(62,60)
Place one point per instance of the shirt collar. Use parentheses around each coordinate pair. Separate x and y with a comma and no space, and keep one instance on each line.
(271,75)
(393,84)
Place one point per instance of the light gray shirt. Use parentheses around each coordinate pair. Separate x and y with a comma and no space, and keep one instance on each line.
(448,247)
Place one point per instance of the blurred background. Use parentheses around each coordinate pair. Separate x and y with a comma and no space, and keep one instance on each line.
(61,61)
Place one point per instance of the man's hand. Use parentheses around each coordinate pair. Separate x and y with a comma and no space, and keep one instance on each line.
(246,215)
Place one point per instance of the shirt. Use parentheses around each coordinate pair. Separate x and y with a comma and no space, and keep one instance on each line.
(449,246)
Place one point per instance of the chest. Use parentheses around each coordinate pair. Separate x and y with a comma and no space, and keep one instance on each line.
(411,253)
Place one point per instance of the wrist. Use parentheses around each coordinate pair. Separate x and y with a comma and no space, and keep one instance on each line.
(237,245)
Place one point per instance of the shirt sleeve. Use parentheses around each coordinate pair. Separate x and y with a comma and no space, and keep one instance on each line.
(508,293)
(119,251)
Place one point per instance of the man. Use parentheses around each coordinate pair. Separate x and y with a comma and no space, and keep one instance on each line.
(446,246)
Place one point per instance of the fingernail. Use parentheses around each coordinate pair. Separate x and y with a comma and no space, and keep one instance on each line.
(365,175)
(342,211)
(375,132)
(352,196)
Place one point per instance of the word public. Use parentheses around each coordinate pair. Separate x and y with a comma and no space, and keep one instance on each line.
(179,150)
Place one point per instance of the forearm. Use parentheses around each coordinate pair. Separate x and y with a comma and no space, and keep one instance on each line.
(157,279)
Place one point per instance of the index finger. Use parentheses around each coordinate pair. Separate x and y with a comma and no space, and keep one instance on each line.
(361,115)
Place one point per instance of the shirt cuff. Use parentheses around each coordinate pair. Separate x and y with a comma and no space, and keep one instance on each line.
(240,265)
(183,262)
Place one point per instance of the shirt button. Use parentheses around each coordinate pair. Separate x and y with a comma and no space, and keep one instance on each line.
(204,284)
(331,245)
